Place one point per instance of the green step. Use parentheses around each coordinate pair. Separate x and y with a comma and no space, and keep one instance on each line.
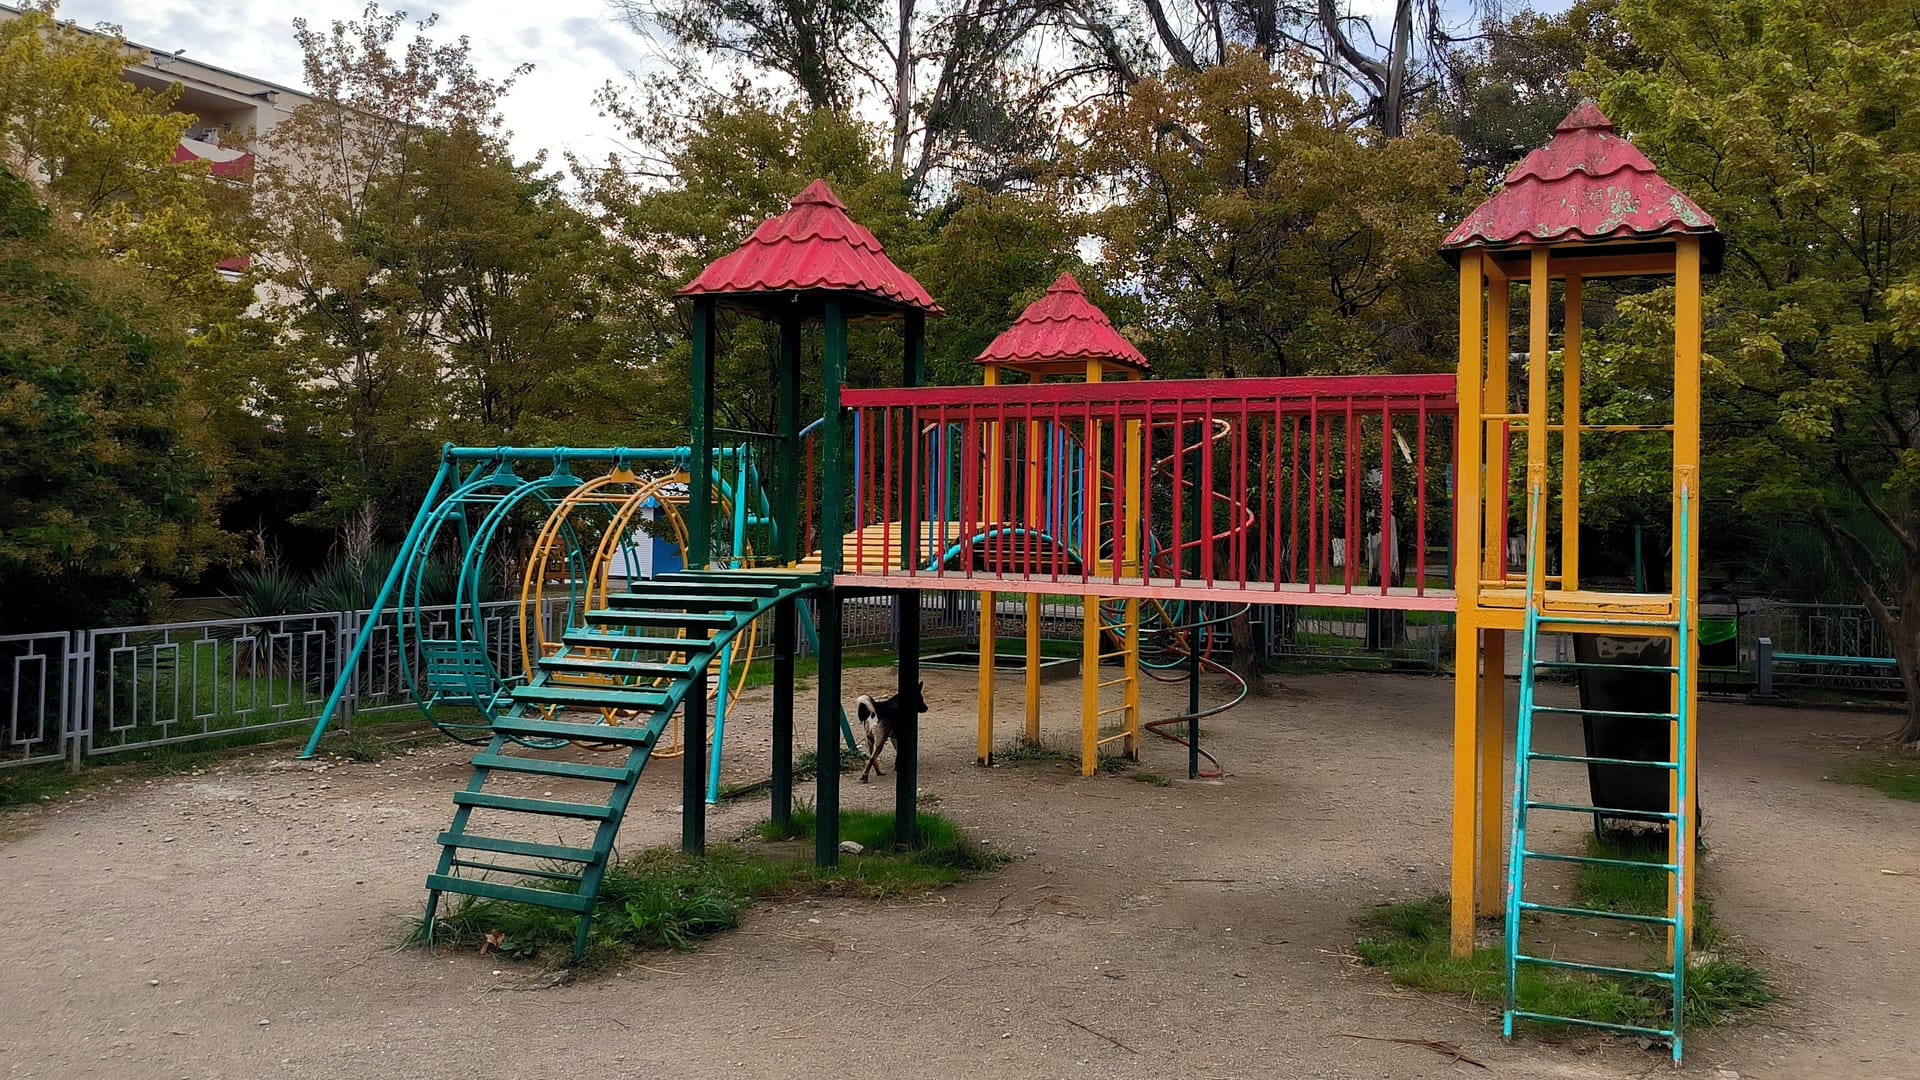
(1614,714)
(642,643)
(1596,860)
(518,894)
(698,590)
(1596,913)
(1582,759)
(692,620)
(1602,1025)
(524,871)
(624,734)
(572,770)
(487,800)
(1593,969)
(1603,811)
(554,852)
(637,669)
(592,697)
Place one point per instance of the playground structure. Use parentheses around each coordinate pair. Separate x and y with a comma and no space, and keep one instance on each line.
(1134,496)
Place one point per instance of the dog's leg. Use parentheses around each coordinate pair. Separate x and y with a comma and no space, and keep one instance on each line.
(874,761)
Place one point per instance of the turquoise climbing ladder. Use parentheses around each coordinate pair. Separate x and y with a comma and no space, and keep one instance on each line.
(638,659)
(1672,976)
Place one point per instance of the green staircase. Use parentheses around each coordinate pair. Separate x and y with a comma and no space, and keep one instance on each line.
(641,657)
(1672,977)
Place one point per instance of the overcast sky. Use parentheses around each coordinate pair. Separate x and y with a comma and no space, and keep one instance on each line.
(574,45)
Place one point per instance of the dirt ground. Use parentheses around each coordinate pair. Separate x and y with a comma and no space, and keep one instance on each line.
(240,921)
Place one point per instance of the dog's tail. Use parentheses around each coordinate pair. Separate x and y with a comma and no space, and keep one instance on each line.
(866,710)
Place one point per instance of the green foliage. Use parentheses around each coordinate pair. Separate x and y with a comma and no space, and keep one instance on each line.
(1624,888)
(261,591)
(1412,943)
(1265,240)
(1896,777)
(1788,120)
(662,899)
(106,481)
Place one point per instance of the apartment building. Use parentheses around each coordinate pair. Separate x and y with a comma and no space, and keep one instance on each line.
(230,110)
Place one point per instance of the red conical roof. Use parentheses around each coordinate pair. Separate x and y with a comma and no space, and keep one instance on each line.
(1062,326)
(813,247)
(1587,183)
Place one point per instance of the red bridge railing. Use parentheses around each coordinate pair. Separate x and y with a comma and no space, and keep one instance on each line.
(1330,490)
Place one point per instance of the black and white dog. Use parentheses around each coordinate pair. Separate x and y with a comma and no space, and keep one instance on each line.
(883,720)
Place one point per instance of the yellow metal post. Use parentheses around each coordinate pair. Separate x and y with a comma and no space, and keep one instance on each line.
(1035,452)
(1466,578)
(1491,873)
(1570,441)
(1135,480)
(1090,608)
(989,642)
(1539,293)
(1686,557)
(1496,402)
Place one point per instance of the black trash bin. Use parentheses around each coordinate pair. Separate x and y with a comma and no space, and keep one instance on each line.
(1719,632)
(1625,792)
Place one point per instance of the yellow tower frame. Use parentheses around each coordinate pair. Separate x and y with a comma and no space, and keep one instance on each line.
(1491,596)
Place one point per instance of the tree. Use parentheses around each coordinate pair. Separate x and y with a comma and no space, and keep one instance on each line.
(101,148)
(1793,123)
(1264,241)
(107,485)
(356,357)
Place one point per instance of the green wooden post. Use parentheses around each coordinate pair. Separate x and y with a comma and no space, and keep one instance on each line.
(906,769)
(826,837)
(786,511)
(700,465)
(784,635)
(693,772)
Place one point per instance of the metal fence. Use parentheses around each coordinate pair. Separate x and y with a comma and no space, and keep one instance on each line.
(95,693)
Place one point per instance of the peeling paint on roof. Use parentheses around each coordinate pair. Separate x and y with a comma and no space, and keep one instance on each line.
(1587,183)
(813,247)
(1063,325)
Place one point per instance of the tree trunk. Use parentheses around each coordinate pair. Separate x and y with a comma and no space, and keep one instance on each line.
(903,86)
(1246,660)
(1903,632)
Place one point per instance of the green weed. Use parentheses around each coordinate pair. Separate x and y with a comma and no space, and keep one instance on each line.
(1411,942)
(662,899)
(1896,777)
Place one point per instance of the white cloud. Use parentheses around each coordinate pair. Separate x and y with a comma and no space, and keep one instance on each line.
(574,45)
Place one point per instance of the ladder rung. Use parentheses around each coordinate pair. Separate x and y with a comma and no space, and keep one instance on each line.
(1631,1029)
(1581,759)
(1595,860)
(1112,682)
(1605,811)
(572,770)
(638,643)
(1112,738)
(1615,714)
(487,800)
(1588,665)
(1115,709)
(518,894)
(1595,913)
(1547,621)
(528,848)
(524,871)
(1593,969)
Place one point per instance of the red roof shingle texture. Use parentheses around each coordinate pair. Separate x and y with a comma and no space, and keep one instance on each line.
(813,247)
(1062,325)
(1587,183)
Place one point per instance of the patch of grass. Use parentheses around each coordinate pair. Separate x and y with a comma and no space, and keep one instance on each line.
(1896,777)
(1411,942)
(661,899)
(36,784)
(1150,778)
(1020,751)
(761,674)
(1626,889)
